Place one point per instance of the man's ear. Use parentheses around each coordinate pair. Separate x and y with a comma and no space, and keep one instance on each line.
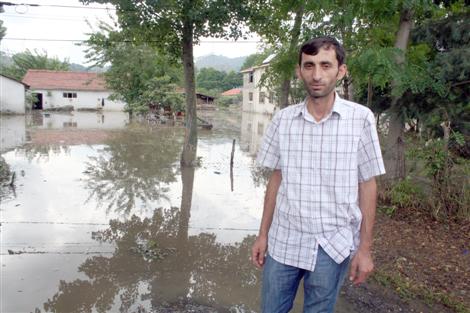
(342,71)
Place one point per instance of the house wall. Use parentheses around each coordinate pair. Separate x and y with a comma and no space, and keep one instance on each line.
(84,100)
(266,106)
(12,96)
(12,132)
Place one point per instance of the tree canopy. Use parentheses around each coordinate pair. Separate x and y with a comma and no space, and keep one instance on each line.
(23,61)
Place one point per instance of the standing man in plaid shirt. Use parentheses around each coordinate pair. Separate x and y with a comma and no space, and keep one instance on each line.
(320,200)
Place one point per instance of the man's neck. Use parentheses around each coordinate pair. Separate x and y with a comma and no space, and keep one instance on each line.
(320,107)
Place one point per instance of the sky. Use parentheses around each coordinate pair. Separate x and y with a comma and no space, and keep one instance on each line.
(64,27)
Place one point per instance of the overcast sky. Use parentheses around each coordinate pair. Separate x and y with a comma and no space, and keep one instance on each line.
(48,21)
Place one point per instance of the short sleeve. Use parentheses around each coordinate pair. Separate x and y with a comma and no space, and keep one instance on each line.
(370,161)
(269,152)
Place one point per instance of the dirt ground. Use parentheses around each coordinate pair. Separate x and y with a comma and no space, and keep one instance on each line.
(421,266)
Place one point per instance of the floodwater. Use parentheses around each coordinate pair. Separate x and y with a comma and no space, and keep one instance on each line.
(103,219)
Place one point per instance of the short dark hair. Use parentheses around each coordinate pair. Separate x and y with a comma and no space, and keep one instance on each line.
(312,47)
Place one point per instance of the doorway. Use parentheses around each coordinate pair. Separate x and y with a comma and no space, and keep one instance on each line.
(37,103)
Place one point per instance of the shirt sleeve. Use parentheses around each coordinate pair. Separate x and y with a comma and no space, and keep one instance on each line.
(370,162)
(269,152)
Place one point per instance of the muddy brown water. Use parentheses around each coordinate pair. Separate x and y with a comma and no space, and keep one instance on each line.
(102,218)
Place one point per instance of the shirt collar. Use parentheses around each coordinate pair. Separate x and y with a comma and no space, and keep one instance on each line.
(339,107)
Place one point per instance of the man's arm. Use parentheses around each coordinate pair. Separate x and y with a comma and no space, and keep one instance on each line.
(261,244)
(362,264)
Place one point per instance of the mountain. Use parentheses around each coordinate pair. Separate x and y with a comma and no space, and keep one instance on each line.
(220,62)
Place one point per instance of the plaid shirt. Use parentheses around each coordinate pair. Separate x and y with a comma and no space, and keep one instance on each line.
(322,164)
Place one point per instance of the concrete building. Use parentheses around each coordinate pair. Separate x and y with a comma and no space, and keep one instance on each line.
(255,97)
(12,95)
(81,90)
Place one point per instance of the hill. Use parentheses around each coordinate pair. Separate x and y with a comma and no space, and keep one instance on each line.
(220,62)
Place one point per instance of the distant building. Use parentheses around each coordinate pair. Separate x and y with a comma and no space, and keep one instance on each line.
(256,98)
(81,90)
(12,95)
(203,102)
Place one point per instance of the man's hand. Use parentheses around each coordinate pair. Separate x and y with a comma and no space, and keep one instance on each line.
(361,267)
(258,251)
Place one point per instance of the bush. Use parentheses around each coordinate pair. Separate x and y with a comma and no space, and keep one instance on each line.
(403,195)
(449,175)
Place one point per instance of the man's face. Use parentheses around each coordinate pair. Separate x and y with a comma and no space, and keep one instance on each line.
(320,72)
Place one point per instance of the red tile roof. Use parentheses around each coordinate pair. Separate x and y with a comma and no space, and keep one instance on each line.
(44,79)
(232,92)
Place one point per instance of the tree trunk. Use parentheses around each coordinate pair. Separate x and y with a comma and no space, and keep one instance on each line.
(188,155)
(285,85)
(394,153)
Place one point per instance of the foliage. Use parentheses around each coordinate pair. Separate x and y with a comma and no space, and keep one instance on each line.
(449,176)
(210,78)
(3,29)
(151,77)
(256,59)
(226,101)
(405,194)
(24,61)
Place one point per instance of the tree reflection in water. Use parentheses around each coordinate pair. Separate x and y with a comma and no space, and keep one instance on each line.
(134,168)
(176,267)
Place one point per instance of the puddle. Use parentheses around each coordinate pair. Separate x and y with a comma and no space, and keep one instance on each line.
(103,219)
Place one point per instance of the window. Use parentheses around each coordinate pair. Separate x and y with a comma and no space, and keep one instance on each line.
(251,77)
(261,97)
(260,128)
(69,94)
(271,97)
(250,96)
(248,127)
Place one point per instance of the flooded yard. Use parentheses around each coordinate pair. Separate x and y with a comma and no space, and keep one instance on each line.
(103,219)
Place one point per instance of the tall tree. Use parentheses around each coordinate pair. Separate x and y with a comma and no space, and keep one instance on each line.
(176,26)
(150,75)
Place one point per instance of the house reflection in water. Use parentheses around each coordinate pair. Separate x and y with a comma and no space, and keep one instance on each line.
(253,128)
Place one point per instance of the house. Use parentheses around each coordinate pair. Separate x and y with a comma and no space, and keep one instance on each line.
(12,95)
(80,90)
(257,98)
(232,92)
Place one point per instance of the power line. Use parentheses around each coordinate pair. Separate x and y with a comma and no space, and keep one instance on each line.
(54,6)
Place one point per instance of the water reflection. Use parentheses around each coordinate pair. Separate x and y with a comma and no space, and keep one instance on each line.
(77,120)
(136,164)
(157,265)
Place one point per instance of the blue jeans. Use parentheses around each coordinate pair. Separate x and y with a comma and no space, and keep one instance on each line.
(321,287)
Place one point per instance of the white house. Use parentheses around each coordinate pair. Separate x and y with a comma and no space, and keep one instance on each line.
(82,90)
(12,95)
(256,98)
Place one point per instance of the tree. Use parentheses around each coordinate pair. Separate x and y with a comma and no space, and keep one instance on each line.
(255,59)
(151,76)
(3,29)
(273,21)
(210,79)
(24,61)
(175,26)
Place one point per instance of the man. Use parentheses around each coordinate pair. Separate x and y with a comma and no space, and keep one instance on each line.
(320,200)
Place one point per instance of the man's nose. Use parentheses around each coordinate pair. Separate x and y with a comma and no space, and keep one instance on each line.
(316,74)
